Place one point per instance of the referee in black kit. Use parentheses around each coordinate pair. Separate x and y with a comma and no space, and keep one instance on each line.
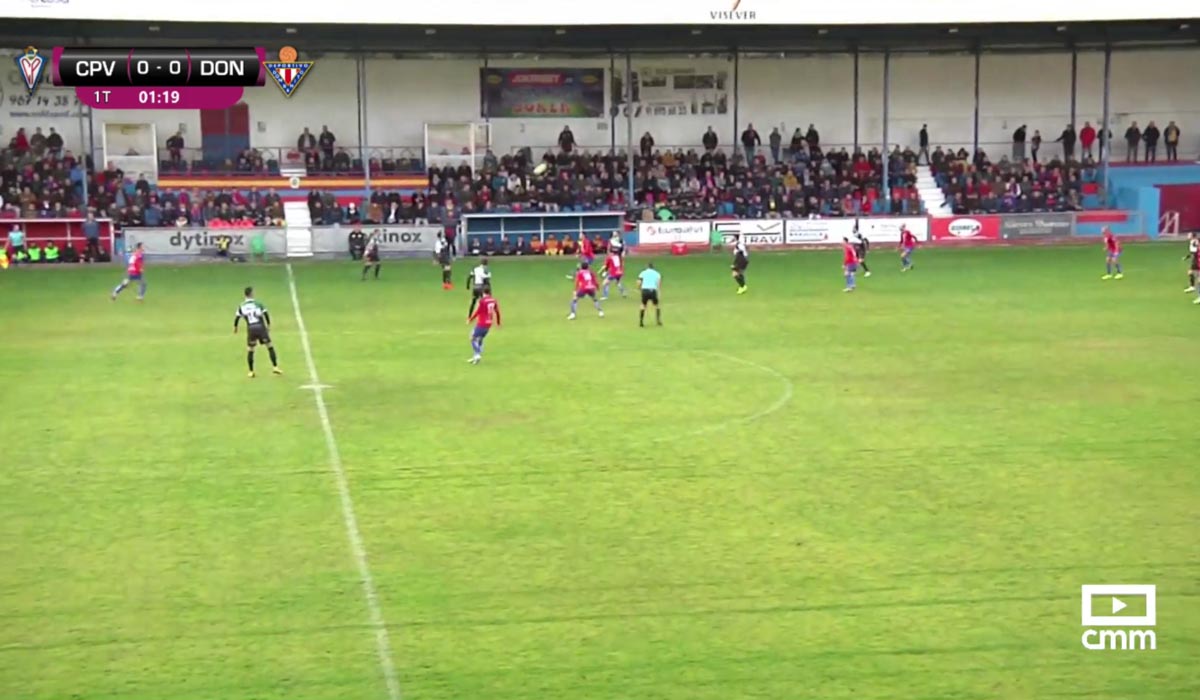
(651,282)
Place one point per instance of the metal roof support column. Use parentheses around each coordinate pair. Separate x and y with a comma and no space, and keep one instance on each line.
(887,77)
(856,99)
(629,122)
(1074,80)
(1105,129)
(613,110)
(975,137)
(360,72)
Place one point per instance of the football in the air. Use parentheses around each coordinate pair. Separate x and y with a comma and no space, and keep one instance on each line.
(541,168)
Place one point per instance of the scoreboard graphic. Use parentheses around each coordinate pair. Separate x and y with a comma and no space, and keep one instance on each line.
(162,78)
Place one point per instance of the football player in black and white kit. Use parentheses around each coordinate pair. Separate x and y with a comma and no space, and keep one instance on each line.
(441,254)
(258,330)
(861,246)
(616,244)
(741,260)
(481,283)
(1193,258)
(371,255)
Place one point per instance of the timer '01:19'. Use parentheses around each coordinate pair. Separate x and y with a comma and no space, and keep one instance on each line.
(158,97)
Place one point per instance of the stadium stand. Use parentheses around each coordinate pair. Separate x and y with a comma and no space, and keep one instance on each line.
(979,186)
(38,180)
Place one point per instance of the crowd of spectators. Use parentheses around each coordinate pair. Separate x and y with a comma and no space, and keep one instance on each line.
(39,178)
(676,184)
(979,186)
(667,185)
(801,180)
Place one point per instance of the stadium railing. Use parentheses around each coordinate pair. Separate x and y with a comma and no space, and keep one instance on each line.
(383,159)
(728,149)
(542,226)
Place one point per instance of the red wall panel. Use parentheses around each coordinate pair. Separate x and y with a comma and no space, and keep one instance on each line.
(1184,199)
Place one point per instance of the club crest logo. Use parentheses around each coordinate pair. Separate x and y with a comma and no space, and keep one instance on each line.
(31,66)
(287,71)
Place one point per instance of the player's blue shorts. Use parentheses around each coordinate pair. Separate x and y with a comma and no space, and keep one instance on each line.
(851,267)
(589,259)
(134,276)
(588,293)
(907,251)
(1114,256)
(481,332)
(616,278)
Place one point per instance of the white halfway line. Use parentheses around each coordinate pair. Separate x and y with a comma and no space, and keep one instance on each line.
(383,644)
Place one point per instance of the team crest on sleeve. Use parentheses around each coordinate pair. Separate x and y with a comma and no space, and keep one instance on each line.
(287,72)
(31,66)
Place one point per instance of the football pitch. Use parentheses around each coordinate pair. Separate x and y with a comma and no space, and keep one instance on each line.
(795,493)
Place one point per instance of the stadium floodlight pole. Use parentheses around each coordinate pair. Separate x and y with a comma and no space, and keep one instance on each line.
(978,60)
(887,77)
(361,74)
(856,98)
(629,121)
(1104,139)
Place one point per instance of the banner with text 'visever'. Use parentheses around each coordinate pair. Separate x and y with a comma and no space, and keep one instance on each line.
(541,92)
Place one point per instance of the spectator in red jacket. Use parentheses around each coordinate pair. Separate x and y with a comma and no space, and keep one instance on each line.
(1087,137)
(20,142)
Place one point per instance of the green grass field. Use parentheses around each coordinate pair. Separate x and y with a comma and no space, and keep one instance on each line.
(796,493)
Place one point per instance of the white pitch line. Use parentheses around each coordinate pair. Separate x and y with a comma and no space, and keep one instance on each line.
(383,644)
(789,389)
(785,397)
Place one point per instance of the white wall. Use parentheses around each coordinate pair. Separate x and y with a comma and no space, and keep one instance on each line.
(933,90)
(404,94)
(795,92)
(938,90)
(1158,85)
(1031,89)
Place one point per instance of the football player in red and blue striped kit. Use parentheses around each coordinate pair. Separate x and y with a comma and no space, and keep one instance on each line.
(486,315)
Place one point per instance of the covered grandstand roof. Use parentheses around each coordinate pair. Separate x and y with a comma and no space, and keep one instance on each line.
(529,40)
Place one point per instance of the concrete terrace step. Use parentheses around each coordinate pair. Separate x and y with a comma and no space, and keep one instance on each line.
(931,195)
(299,229)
